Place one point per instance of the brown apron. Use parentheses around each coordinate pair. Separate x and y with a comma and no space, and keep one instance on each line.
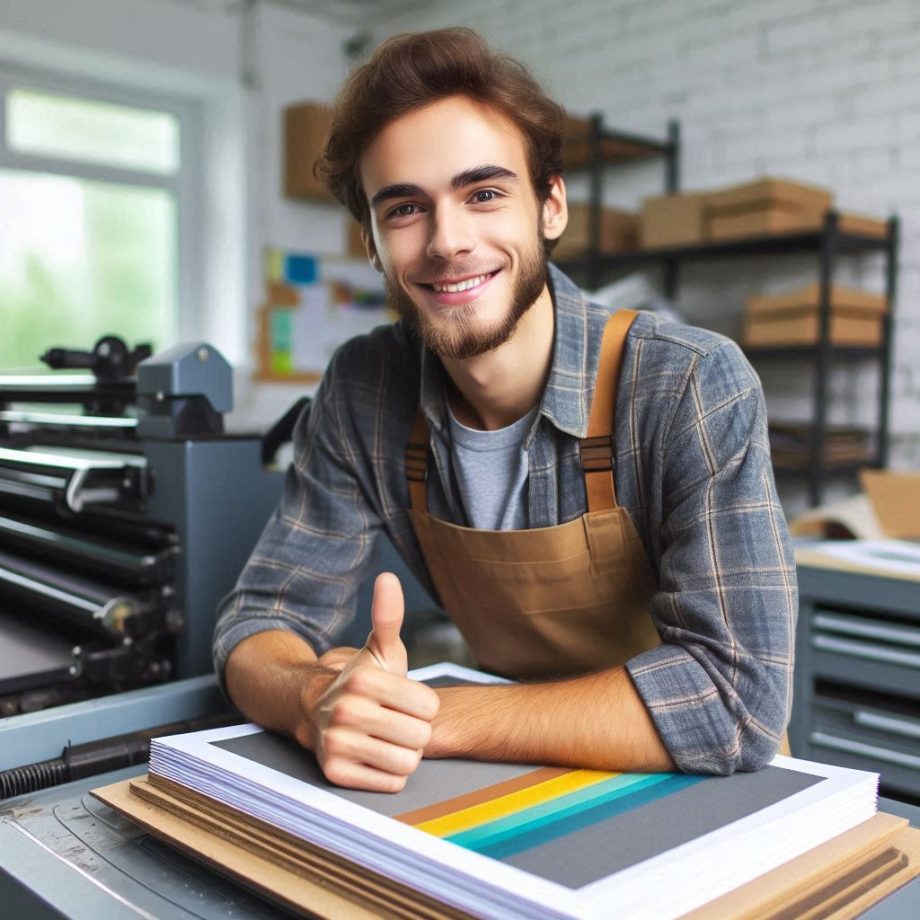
(551,601)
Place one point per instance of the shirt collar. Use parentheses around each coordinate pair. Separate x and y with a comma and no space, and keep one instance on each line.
(565,400)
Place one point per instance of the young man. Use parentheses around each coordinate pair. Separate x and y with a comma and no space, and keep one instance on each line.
(592,501)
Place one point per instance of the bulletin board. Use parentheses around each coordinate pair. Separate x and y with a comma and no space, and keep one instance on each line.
(313,304)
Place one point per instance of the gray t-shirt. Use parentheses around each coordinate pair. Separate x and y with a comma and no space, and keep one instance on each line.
(490,468)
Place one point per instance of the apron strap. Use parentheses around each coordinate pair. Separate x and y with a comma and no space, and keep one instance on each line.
(417,463)
(596,449)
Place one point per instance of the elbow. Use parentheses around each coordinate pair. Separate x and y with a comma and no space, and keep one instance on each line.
(757,739)
(745,750)
(764,715)
(757,749)
(743,736)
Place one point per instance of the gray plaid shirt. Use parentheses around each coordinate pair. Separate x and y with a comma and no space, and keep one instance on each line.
(692,467)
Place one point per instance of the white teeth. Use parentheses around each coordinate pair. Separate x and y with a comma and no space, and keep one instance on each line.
(460,285)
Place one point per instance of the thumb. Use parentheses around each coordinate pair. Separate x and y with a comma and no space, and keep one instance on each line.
(387,610)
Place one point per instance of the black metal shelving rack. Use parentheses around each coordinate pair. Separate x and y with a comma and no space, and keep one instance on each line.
(607,147)
(830,242)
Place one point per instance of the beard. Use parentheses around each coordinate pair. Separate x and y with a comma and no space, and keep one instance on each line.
(456,334)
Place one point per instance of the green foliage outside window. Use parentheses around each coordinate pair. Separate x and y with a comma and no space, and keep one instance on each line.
(81,258)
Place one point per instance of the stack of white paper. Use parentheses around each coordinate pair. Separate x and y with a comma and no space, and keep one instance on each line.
(503,840)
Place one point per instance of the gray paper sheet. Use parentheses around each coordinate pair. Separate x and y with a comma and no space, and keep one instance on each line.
(580,857)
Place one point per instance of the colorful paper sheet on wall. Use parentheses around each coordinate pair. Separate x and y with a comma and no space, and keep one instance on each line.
(315,304)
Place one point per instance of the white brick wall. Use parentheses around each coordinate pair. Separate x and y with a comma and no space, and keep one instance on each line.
(827,91)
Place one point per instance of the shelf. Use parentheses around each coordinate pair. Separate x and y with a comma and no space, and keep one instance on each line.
(824,237)
(614,146)
(790,352)
(784,243)
(798,467)
(843,448)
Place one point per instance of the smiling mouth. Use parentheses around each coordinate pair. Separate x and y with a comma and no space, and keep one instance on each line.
(457,287)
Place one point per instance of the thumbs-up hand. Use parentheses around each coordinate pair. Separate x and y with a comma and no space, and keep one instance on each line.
(372,723)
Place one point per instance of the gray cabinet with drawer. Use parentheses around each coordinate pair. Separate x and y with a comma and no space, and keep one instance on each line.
(857,683)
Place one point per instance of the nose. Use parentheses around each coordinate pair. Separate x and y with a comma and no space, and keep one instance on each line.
(450,233)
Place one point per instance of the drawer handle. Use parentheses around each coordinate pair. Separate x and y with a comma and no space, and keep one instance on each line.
(907,728)
(865,750)
(859,650)
(900,636)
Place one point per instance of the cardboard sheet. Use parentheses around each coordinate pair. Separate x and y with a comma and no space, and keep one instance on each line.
(838,879)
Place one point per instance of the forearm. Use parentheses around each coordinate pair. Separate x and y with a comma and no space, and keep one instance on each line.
(595,722)
(274,679)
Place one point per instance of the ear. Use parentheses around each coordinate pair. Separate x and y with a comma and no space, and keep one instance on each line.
(371,249)
(555,216)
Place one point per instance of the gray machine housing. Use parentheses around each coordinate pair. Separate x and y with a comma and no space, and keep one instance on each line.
(144,477)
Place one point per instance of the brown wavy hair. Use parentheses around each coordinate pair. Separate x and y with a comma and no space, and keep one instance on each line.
(411,70)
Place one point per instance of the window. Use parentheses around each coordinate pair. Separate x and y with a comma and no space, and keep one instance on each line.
(93,217)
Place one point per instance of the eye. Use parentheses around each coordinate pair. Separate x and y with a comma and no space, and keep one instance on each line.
(485,196)
(403,210)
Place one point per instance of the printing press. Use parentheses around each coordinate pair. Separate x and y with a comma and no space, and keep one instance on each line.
(122,523)
(126,514)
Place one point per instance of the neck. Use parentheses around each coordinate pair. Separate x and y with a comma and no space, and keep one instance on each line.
(497,388)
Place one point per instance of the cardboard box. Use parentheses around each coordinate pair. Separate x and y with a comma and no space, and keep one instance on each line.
(895,499)
(619,232)
(770,193)
(765,222)
(765,207)
(864,225)
(843,299)
(672,220)
(729,226)
(804,329)
(857,318)
(305,127)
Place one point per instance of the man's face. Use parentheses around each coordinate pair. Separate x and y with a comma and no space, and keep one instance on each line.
(458,229)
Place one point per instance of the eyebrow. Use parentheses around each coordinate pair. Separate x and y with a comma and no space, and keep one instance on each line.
(461,180)
(480,174)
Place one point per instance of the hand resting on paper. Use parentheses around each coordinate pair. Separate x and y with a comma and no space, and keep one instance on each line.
(355,708)
(372,723)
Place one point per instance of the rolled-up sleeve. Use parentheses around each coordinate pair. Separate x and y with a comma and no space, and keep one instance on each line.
(310,560)
(719,686)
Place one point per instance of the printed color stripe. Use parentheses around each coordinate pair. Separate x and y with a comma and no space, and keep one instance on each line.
(530,819)
(515,802)
(527,838)
(478,796)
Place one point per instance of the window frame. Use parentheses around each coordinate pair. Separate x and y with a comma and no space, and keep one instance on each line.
(184,185)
